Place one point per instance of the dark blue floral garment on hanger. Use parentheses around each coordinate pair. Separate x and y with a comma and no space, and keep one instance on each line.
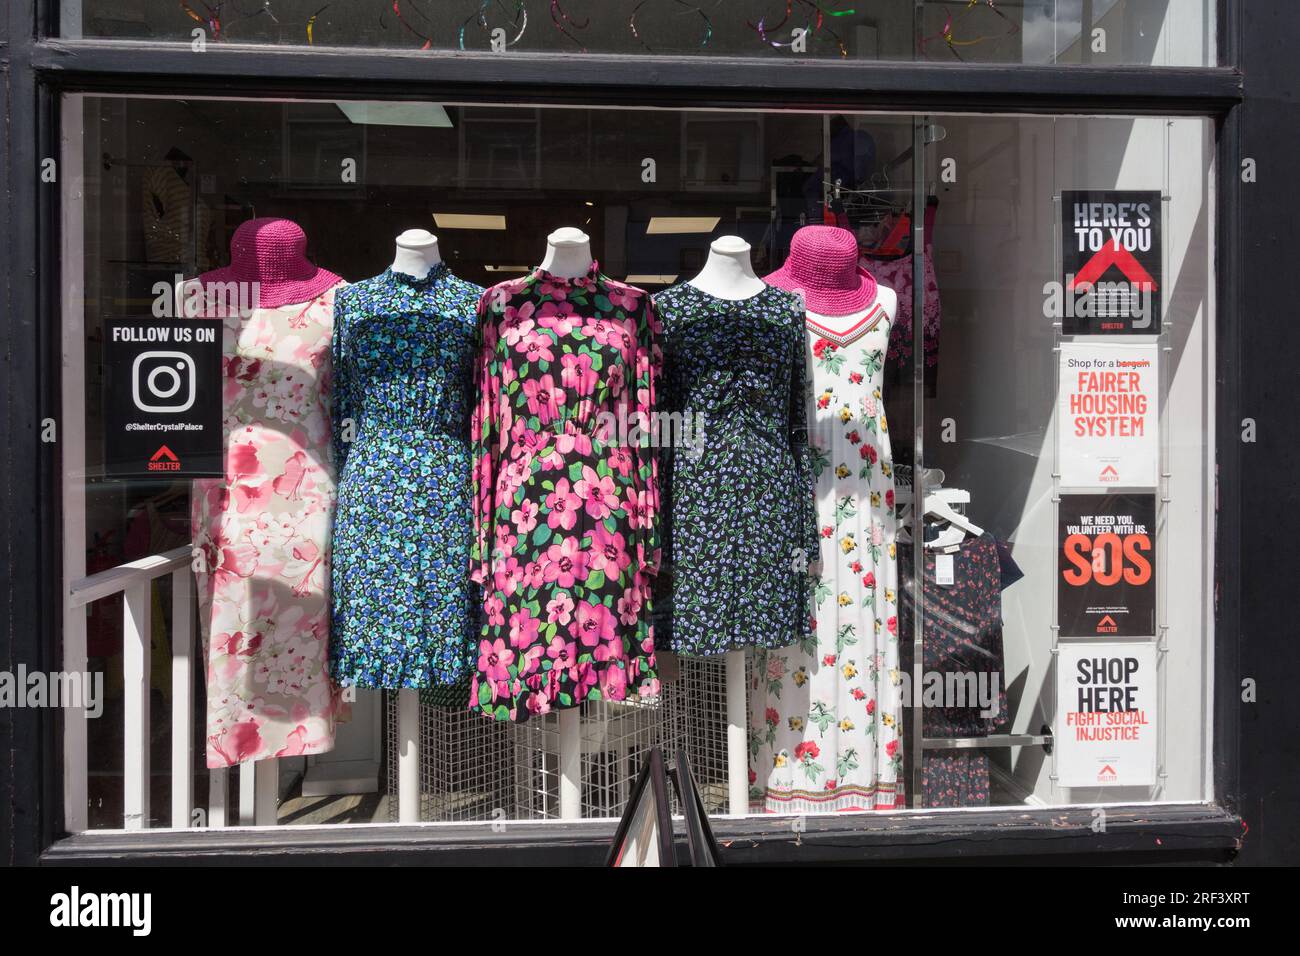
(404,612)
(741,519)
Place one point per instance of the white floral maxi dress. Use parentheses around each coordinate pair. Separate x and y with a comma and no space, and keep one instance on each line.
(263,533)
(826,714)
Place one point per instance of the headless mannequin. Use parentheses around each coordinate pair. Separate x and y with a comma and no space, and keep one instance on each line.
(727,273)
(568,253)
(417,253)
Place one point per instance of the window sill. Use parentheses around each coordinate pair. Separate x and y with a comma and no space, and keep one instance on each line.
(1133,834)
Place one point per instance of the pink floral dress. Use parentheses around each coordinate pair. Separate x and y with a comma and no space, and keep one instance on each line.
(826,713)
(566,508)
(263,535)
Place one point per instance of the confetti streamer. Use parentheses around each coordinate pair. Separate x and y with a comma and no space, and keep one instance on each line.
(212,21)
(397,9)
(948,33)
(560,18)
(520,21)
(817,19)
(311,22)
(708,24)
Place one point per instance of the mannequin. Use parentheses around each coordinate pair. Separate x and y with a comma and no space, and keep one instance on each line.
(727,273)
(886,299)
(568,253)
(417,253)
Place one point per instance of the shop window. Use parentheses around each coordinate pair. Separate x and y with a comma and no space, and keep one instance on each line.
(943,538)
(1102,32)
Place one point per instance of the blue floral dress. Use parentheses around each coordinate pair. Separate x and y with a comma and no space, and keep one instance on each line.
(740,509)
(404,613)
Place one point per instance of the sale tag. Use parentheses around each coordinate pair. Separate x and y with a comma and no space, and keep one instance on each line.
(943,570)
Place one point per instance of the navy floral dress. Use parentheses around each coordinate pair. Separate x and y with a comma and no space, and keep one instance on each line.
(403,610)
(739,500)
(565,495)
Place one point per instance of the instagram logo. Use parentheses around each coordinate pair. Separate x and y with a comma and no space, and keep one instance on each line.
(163,382)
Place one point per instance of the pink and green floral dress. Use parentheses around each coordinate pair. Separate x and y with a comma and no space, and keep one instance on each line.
(566,509)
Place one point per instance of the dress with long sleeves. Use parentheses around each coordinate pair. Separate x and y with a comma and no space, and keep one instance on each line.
(566,506)
(403,608)
(740,509)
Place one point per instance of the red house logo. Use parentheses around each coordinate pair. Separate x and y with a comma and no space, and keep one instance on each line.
(1109,474)
(1107,774)
(1107,625)
(164,459)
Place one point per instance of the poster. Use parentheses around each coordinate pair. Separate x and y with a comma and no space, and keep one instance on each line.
(1108,415)
(1106,713)
(162,398)
(1111,262)
(1106,577)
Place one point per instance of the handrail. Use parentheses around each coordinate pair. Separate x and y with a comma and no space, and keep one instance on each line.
(103,584)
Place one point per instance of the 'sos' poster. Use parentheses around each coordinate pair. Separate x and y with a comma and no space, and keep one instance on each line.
(1108,415)
(1106,715)
(1106,573)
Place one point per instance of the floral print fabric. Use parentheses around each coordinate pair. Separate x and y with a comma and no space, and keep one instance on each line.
(962,635)
(826,714)
(566,509)
(404,610)
(263,533)
(742,525)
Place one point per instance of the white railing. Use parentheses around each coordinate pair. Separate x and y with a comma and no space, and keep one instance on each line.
(134,581)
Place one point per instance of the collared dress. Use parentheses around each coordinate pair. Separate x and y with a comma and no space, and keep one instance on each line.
(404,610)
(566,508)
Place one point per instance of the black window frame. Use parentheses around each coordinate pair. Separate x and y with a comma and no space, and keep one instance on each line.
(39,67)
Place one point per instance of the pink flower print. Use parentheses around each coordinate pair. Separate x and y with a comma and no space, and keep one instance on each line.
(869,580)
(598,494)
(620,460)
(532,575)
(507,575)
(536,346)
(544,399)
(559,609)
(517,323)
(629,607)
(238,743)
(563,506)
(626,299)
(891,624)
(558,317)
(525,516)
(505,541)
(608,552)
(523,629)
(613,683)
(889,498)
(556,290)
(869,405)
(565,563)
(242,460)
(538,704)
(494,606)
(614,378)
(584,678)
(494,660)
(561,652)
(877,534)
(289,483)
(576,373)
(593,624)
(573,441)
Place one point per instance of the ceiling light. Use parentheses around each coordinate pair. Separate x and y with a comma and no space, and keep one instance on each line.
(465,220)
(507,268)
(650,280)
(396,114)
(666,225)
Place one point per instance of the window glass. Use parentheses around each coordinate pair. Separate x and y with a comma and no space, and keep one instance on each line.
(1129,32)
(960,435)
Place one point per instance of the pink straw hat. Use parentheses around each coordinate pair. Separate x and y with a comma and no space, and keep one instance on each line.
(273,254)
(823,267)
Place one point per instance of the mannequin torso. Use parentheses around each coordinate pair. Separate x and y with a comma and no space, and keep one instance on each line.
(568,253)
(727,273)
(417,253)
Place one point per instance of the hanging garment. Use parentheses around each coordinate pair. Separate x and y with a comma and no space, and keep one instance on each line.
(893,268)
(566,507)
(742,524)
(962,636)
(826,713)
(263,531)
(404,611)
